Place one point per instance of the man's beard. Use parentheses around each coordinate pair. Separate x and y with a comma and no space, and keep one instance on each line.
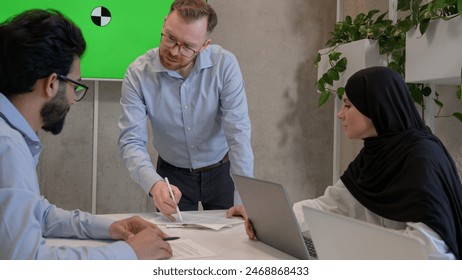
(54,112)
(177,63)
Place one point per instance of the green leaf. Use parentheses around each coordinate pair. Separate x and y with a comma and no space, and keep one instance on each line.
(417,3)
(363,30)
(372,13)
(458,116)
(404,25)
(359,18)
(321,85)
(440,4)
(438,103)
(317,59)
(426,91)
(404,5)
(459,7)
(333,74)
(393,65)
(348,20)
(423,26)
(323,98)
(327,79)
(334,56)
(341,65)
(417,95)
(380,17)
(459,91)
(340,92)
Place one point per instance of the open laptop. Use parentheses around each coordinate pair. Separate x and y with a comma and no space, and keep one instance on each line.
(273,220)
(338,237)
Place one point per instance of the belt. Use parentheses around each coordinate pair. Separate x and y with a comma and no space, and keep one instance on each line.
(201,169)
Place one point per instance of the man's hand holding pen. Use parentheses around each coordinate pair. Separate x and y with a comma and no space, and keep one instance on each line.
(164,200)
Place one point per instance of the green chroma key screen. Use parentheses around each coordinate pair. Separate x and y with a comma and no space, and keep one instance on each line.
(116,31)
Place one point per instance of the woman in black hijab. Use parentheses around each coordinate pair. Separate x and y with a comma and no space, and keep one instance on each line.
(405,173)
(403,178)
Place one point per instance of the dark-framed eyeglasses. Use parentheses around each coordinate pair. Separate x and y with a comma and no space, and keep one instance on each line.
(79,89)
(170,43)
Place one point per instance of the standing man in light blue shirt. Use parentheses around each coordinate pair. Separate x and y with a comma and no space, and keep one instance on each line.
(192,92)
(40,54)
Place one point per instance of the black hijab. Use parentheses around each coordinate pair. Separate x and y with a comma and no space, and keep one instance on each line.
(405,173)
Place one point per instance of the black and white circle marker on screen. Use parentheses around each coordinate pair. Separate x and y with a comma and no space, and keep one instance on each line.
(101,16)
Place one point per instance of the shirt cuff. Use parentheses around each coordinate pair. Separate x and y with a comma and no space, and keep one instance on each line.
(149,180)
(122,251)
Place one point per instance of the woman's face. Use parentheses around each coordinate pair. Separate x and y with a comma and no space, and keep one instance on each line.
(354,123)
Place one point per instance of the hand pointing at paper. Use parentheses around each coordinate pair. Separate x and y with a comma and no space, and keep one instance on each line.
(163,201)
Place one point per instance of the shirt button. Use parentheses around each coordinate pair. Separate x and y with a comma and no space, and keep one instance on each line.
(186,107)
(189,128)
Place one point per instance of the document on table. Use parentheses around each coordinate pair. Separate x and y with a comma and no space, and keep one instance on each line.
(187,249)
(198,220)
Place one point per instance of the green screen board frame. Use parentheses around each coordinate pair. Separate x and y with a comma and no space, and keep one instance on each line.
(133,28)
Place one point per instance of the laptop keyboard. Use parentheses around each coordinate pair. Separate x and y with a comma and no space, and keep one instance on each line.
(310,246)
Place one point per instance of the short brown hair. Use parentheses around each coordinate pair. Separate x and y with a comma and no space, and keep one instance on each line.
(196,9)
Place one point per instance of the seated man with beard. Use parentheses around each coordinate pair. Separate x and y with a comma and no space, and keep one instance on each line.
(40,54)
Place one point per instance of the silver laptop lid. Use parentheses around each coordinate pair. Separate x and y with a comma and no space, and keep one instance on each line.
(270,211)
(338,237)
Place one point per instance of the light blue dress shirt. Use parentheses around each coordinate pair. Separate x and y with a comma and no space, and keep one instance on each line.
(26,218)
(195,120)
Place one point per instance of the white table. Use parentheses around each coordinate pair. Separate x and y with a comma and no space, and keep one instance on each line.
(227,243)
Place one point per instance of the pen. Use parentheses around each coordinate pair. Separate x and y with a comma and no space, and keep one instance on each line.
(173,197)
(169,238)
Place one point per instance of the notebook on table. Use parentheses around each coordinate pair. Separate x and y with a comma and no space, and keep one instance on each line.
(273,220)
(338,237)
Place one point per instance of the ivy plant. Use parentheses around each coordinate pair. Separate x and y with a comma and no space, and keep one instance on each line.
(391,38)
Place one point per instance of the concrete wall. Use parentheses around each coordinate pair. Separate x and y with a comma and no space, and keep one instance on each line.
(275,42)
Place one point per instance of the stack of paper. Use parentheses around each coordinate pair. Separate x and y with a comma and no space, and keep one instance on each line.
(197,220)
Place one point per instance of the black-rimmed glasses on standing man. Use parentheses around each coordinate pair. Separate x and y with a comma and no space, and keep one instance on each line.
(170,43)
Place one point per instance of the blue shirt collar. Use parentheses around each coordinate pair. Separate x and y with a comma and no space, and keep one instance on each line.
(16,120)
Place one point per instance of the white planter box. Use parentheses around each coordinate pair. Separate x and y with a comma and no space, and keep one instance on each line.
(435,57)
(359,54)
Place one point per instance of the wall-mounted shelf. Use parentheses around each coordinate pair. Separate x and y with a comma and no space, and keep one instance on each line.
(436,56)
(360,54)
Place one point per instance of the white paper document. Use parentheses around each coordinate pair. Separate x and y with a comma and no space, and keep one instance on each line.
(187,249)
(197,220)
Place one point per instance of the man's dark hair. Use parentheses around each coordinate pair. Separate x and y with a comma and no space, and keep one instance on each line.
(34,45)
(196,9)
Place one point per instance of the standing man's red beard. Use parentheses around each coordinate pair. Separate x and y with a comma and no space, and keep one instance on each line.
(174,63)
